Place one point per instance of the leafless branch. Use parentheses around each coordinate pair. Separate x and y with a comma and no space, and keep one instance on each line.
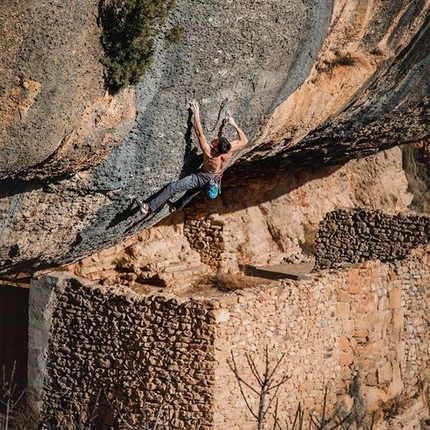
(268,388)
(253,367)
(240,381)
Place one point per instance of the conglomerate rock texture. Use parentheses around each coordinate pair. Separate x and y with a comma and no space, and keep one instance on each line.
(312,83)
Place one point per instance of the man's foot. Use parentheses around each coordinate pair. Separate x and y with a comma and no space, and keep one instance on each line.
(172,207)
(143,207)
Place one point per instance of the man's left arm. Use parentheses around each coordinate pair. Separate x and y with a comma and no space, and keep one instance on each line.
(242,139)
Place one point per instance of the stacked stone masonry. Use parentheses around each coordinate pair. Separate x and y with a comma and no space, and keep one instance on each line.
(204,234)
(112,351)
(352,236)
(362,332)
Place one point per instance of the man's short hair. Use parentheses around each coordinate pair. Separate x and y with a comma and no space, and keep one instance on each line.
(224,145)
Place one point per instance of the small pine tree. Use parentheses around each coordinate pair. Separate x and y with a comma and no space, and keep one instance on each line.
(129,28)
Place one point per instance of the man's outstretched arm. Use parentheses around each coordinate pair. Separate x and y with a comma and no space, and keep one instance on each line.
(194,106)
(242,139)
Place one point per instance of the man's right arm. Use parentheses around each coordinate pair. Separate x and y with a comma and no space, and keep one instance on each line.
(199,129)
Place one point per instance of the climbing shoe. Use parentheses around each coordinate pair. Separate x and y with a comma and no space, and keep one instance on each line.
(172,207)
(143,207)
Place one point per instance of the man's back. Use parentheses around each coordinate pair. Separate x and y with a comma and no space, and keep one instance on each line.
(216,162)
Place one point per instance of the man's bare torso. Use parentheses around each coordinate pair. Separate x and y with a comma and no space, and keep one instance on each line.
(216,162)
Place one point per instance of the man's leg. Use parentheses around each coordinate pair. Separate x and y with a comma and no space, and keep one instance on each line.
(185,199)
(193,181)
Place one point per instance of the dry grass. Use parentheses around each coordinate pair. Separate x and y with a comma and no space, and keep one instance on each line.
(224,282)
(24,417)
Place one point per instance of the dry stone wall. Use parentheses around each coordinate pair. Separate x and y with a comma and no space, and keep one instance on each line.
(109,351)
(362,332)
(357,235)
(204,233)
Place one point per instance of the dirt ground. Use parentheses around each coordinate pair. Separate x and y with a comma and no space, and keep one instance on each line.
(213,286)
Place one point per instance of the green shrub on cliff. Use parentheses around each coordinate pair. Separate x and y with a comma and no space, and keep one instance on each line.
(129,28)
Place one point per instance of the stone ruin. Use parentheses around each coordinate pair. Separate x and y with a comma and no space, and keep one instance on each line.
(360,332)
(358,235)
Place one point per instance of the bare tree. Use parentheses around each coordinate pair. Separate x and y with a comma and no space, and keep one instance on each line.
(9,398)
(266,387)
(330,422)
(266,390)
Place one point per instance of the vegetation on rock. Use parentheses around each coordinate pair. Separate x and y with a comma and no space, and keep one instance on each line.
(129,28)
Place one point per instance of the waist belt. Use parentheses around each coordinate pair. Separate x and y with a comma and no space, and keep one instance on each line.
(212,175)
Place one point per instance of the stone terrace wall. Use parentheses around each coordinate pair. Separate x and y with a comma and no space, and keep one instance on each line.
(129,351)
(352,236)
(362,331)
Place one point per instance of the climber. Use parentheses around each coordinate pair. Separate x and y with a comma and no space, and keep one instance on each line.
(216,156)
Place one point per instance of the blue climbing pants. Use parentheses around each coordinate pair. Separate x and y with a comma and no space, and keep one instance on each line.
(192,183)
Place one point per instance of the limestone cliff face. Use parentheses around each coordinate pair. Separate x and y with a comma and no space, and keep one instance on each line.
(312,84)
(55,118)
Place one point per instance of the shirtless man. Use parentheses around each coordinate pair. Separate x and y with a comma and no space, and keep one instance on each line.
(216,156)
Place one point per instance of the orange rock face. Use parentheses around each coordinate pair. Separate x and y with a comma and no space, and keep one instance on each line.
(313,85)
